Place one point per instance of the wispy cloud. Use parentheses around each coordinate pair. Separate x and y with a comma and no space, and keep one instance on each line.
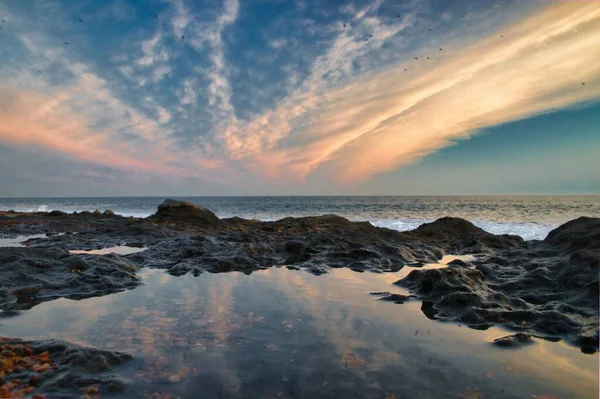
(211,35)
(379,122)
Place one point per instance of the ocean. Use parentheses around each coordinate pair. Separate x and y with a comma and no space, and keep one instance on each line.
(531,217)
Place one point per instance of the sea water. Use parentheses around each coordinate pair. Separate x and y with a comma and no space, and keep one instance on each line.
(531,217)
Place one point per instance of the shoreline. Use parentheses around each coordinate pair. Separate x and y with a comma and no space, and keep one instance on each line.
(542,288)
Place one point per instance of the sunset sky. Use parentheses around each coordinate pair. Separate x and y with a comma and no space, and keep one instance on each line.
(270,97)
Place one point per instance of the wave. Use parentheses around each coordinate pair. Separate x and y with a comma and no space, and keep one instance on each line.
(527,230)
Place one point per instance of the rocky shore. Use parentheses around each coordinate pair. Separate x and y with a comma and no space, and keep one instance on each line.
(547,288)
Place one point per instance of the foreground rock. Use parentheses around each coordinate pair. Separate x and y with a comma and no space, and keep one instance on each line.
(57,369)
(30,276)
(547,287)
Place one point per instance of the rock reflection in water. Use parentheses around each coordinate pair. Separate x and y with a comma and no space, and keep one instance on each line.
(280,333)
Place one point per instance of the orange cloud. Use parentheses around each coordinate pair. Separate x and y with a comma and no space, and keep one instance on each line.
(379,123)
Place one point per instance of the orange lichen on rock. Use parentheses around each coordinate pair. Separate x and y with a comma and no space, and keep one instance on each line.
(16,358)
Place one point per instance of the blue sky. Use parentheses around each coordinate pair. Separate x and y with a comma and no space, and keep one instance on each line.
(116,97)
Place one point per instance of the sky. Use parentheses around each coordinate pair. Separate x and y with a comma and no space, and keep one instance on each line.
(284,97)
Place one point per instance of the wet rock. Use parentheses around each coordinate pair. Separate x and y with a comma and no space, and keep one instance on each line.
(32,275)
(56,368)
(460,235)
(172,209)
(458,263)
(514,340)
(547,288)
(395,298)
(108,212)
(56,213)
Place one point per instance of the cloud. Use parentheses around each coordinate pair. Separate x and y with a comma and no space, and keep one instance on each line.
(219,90)
(181,19)
(84,119)
(378,122)
(188,92)
(277,43)
(163,115)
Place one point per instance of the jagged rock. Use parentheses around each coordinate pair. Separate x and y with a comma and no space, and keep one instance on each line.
(514,340)
(55,368)
(31,276)
(172,209)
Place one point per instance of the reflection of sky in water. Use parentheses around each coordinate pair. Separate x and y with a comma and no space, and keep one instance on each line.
(279,333)
(119,250)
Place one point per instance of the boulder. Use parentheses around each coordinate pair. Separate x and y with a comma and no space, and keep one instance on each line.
(108,212)
(186,211)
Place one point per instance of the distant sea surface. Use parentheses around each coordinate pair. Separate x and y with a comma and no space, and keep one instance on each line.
(531,217)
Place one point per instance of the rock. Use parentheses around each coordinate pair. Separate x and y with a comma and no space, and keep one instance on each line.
(97,213)
(396,298)
(56,213)
(186,211)
(514,340)
(461,234)
(34,275)
(54,368)
(581,233)
(548,287)
(459,263)
(108,212)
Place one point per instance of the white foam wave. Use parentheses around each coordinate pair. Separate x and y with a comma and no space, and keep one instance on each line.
(527,230)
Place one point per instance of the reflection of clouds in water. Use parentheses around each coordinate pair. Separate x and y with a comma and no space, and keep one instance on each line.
(326,304)
(325,327)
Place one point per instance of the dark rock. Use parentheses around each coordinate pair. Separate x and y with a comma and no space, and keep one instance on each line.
(69,368)
(581,233)
(33,275)
(548,288)
(108,212)
(481,327)
(396,298)
(56,213)
(514,340)
(459,263)
(186,211)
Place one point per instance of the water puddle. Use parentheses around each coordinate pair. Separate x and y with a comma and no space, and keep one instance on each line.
(119,250)
(19,241)
(289,334)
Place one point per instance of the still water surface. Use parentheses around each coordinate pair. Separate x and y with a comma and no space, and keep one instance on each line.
(288,334)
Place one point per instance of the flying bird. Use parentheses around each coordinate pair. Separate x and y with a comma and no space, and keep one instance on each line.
(80,20)
(441,49)
(583,83)
(155,16)
(370,35)
(405,69)
(66,42)
(398,16)
(344,25)
(427,57)
(429,30)
(416,58)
